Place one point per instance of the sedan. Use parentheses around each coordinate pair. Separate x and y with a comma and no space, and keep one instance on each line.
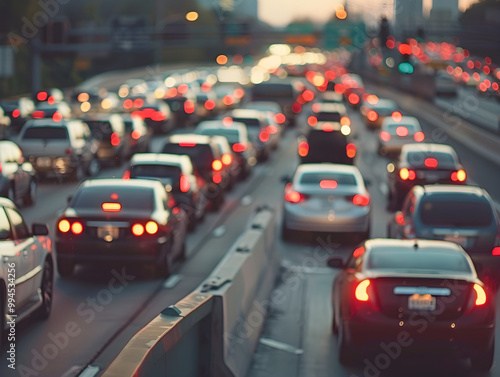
(326,198)
(412,295)
(397,131)
(105,222)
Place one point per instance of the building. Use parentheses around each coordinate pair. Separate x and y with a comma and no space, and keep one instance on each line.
(408,18)
(444,14)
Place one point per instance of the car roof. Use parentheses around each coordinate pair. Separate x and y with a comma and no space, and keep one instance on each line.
(327,167)
(404,121)
(195,138)
(160,158)
(118,182)
(428,148)
(453,189)
(48,122)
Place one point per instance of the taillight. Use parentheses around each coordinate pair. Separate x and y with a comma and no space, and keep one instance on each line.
(397,116)
(312,121)
(77,227)
(42,96)
(128,104)
(138,103)
(151,227)
(210,104)
(57,117)
(158,116)
(217,165)
(293,196)
(345,121)
(126,175)
(431,163)
(372,115)
(239,147)
(402,131)
(279,118)
(189,106)
(38,114)
(264,136)
(0,167)
(227,159)
(419,136)
(353,99)
(187,144)
(407,174)
(400,219)
(480,295)
(361,200)
(64,226)
(136,134)
(16,113)
(328,184)
(296,107)
(350,150)
(115,139)
(308,95)
(385,136)
(272,129)
(361,292)
(184,183)
(228,100)
(496,251)
(137,229)
(111,207)
(459,176)
(303,148)
(217,178)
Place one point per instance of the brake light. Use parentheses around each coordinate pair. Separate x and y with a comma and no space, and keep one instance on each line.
(38,114)
(189,106)
(345,121)
(328,184)
(42,96)
(158,116)
(312,120)
(64,226)
(264,136)
(280,118)
(361,200)
(407,174)
(126,175)
(136,134)
(419,136)
(239,93)
(57,117)
(127,104)
(115,139)
(77,227)
(308,95)
(272,129)
(350,150)
(358,252)
(210,104)
(459,176)
(303,148)
(385,136)
(327,127)
(217,165)
(228,100)
(111,207)
(138,103)
(16,113)
(137,229)
(227,159)
(184,183)
(431,163)
(217,178)
(361,292)
(402,131)
(227,121)
(0,167)
(293,196)
(187,144)
(397,116)
(239,147)
(496,251)
(372,115)
(353,99)
(480,295)
(151,227)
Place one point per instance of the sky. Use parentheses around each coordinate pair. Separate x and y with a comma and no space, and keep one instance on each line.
(281,12)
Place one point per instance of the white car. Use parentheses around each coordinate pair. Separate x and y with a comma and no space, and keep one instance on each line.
(27,269)
(397,131)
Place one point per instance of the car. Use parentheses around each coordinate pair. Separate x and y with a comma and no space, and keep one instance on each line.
(180,178)
(229,164)
(64,149)
(17,177)
(112,139)
(27,258)
(328,112)
(421,295)
(354,89)
(397,131)
(138,134)
(236,135)
(464,214)
(327,142)
(283,92)
(375,110)
(57,111)
(330,96)
(326,198)
(183,107)
(19,111)
(120,221)
(207,159)
(271,106)
(157,116)
(422,164)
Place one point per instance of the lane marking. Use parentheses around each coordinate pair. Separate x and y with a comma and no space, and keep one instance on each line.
(246,200)
(90,371)
(172,281)
(219,231)
(280,346)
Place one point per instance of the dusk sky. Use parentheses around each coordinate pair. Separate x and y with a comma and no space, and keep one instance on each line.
(281,12)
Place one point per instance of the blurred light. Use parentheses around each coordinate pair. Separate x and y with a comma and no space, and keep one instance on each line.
(396,116)
(192,16)
(340,13)
(237,59)
(151,227)
(83,97)
(123,91)
(159,93)
(390,44)
(279,49)
(221,59)
(391,167)
(138,102)
(42,96)
(390,62)
(106,104)
(85,106)
(16,113)
(170,81)
(345,130)
(372,99)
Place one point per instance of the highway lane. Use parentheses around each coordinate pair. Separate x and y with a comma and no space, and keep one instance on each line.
(297,340)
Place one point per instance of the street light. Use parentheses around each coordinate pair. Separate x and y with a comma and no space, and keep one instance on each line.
(192,16)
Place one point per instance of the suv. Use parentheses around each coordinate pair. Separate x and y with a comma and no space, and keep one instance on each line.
(26,257)
(207,159)
(17,177)
(64,148)
(462,214)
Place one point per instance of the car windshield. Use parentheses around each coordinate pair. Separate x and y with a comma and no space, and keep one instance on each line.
(418,159)
(455,213)
(155,171)
(391,128)
(93,197)
(201,154)
(53,133)
(232,136)
(315,178)
(328,116)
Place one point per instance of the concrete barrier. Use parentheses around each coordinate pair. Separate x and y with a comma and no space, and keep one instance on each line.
(214,330)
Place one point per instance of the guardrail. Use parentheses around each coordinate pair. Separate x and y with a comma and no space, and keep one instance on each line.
(214,330)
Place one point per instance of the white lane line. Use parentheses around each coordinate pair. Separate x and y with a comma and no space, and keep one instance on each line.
(172,281)
(90,371)
(219,231)
(281,346)
(246,201)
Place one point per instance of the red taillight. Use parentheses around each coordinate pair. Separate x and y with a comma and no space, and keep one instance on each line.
(480,295)
(187,144)
(312,120)
(308,95)
(189,106)
(217,178)
(210,104)
(296,107)
(239,93)
(459,176)
(137,229)
(345,120)
(0,167)
(327,127)
(407,174)
(115,139)
(57,117)
(151,227)
(42,96)
(272,129)
(419,136)
(361,200)
(431,163)
(16,113)
(292,196)
(400,219)
(136,134)
(264,136)
(361,292)
(303,148)
(111,207)
(64,226)
(239,147)
(350,150)
(402,131)
(38,114)
(77,228)
(138,103)
(496,251)
(217,165)
(397,116)
(358,252)
(385,136)
(328,184)
(228,100)
(127,104)
(372,115)
(227,159)
(126,175)
(280,118)
(158,116)
(353,99)
(184,183)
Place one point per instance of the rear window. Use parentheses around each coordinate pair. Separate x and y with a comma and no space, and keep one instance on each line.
(444,160)
(327,139)
(93,197)
(53,133)
(155,171)
(425,262)
(201,154)
(316,177)
(98,126)
(249,122)
(462,214)
(328,117)
(272,91)
(410,127)
(232,136)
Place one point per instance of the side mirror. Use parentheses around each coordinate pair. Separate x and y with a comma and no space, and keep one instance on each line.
(335,262)
(38,229)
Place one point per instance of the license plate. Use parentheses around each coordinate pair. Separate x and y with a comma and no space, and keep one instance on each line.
(44,161)
(108,233)
(432,177)
(421,302)
(459,240)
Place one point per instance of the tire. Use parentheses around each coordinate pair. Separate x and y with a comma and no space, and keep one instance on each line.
(335,327)
(65,268)
(483,360)
(346,354)
(182,254)
(94,167)
(47,286)
(30,197)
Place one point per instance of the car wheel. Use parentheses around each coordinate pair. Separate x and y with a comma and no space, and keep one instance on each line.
(30,197)
(65,268)
(483,360)
(47,287)
(94,167)
(346,354)
(182,253)
(286,233)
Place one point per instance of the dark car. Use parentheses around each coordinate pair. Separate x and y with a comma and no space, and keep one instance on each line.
(19,111)
(178,176)
(17,176)
(462,214)
(57,111)
(423,295)
(121,221)
(138,134)
(207,159)
(282,92)
(422,164)
(183,108)
(327,142)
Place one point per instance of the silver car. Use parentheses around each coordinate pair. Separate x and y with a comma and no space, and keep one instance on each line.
(326,198)
(397,131)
